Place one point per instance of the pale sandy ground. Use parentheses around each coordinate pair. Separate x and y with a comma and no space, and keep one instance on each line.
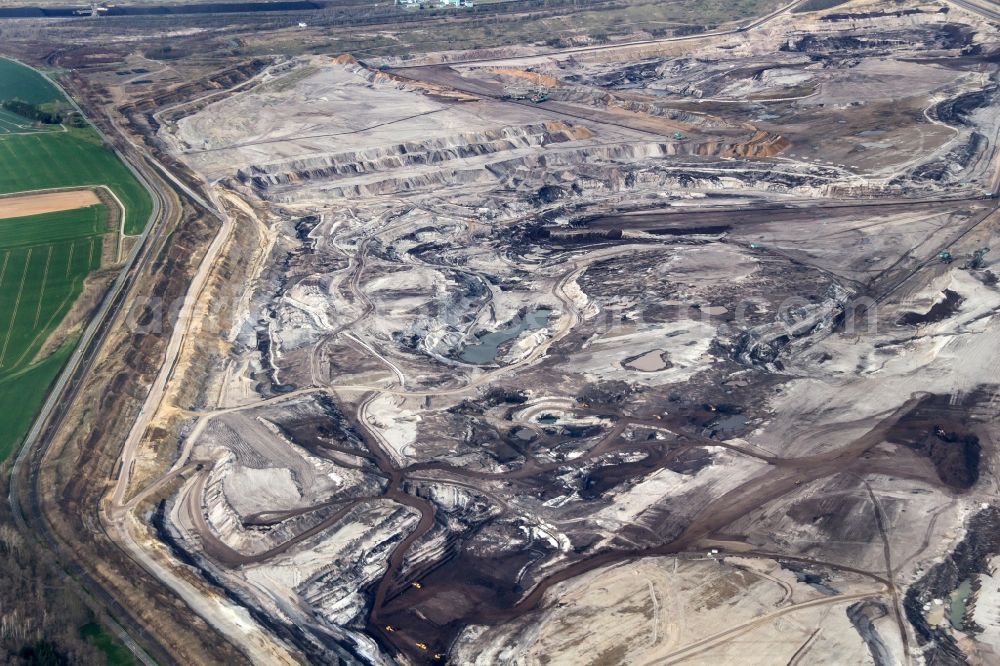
(50,202)
(651,611)
(669,610)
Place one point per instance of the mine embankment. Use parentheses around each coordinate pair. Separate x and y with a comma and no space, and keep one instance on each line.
(956,111)
(481,338)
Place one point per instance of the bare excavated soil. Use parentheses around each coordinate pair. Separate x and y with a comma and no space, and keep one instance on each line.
(590,353)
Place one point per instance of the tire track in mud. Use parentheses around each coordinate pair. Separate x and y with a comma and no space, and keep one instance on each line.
(897,607)
(784,476)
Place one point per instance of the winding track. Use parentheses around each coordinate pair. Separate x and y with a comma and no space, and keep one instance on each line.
(36,444)
(789,474)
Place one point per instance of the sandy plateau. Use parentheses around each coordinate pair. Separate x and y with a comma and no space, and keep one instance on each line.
(643,355)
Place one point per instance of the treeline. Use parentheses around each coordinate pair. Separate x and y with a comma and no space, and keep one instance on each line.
(41,114)
(40,613)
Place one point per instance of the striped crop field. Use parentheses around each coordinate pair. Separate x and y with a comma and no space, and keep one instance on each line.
(45,259)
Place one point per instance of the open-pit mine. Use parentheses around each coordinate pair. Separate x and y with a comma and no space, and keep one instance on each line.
(655,349)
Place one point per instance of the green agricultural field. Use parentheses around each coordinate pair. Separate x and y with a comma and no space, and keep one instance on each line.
(41,277)
(34,156)
(65,225)
(24,83)
(22,395)
(44,260)
(11,123)
(73,158)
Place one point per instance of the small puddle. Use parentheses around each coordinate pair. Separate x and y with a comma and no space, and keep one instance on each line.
(651,361)
(488,347)
(734,423)
(959,599)
(524,434)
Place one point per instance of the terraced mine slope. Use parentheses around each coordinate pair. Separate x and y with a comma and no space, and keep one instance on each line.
(673,349)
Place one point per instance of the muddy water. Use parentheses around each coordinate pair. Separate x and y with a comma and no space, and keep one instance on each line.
(651,361)
(731,425)
(959,598)
(488,348)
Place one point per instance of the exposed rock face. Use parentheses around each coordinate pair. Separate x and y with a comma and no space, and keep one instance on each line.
(424,153)
(496,343)
(956,111)
(761,144)
(498,151)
